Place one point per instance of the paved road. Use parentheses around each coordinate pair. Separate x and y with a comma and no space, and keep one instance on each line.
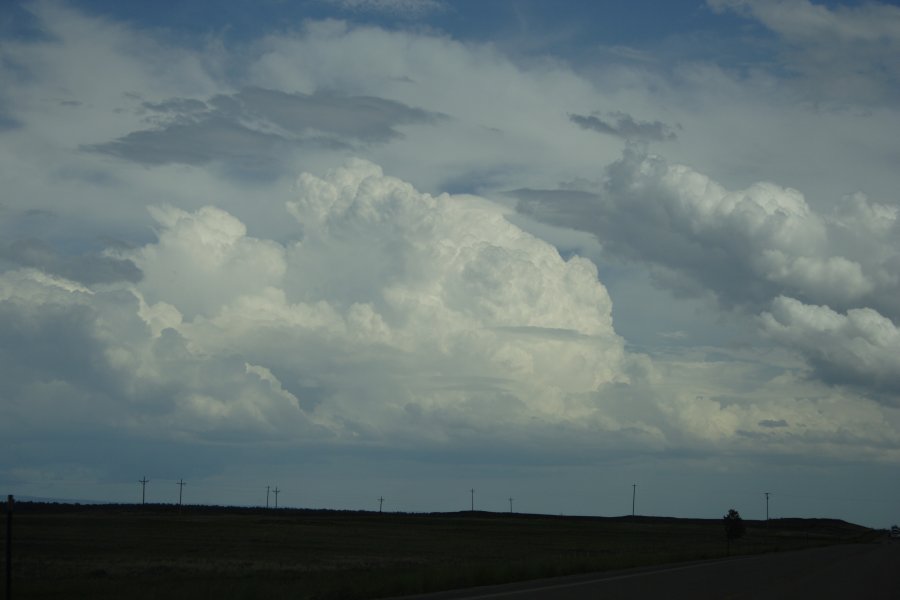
(862,571)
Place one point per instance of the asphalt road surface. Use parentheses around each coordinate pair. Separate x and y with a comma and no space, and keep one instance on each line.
(853,571)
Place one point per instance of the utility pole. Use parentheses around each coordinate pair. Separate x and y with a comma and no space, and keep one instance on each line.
(267,496)
(380,502)
(10,501)
(510,504)
(143,483)
(181,485)
(275,491)
(473,499)
(633,494)
(767,508)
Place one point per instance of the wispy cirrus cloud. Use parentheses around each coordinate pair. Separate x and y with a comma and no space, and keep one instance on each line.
(837,53)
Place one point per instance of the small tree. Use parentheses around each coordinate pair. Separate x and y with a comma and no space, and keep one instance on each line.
(734,527)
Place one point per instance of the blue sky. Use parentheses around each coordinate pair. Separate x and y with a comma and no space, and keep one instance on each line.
(404,248)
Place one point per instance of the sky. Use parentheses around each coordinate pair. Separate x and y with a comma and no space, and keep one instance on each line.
(573,253)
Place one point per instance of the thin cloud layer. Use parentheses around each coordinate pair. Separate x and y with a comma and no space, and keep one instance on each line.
(251,128)
(86,269)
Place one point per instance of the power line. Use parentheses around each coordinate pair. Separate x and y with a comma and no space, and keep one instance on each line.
(267,496)
(275,491)
(380,502)
(181,485)
(633,494)
(510,504)
(473,499)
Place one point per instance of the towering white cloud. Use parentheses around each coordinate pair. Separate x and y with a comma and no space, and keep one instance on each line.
(204,260)
(398,315)
(397,318)
(450,304)
(750,249)
(746,246)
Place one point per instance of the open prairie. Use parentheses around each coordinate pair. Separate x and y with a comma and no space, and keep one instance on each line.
(155,551)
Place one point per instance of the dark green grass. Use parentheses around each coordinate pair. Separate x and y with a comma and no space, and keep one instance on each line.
(155,551)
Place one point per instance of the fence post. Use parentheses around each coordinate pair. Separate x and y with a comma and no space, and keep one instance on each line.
(9,512)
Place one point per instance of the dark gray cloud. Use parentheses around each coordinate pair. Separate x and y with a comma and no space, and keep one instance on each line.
(772,423)
(625,126)
(366,118)
(7,122)
(49,342)
(639,232)
(199,142)
(860,348)
(88,268)
(254,127)
(177,106)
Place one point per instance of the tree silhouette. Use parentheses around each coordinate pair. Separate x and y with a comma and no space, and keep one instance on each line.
(734,527)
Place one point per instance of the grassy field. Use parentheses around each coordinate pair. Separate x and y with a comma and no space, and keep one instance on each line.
(64,551)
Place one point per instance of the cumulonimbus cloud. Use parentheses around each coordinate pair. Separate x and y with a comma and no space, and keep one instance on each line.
(398,319)
(397,314)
